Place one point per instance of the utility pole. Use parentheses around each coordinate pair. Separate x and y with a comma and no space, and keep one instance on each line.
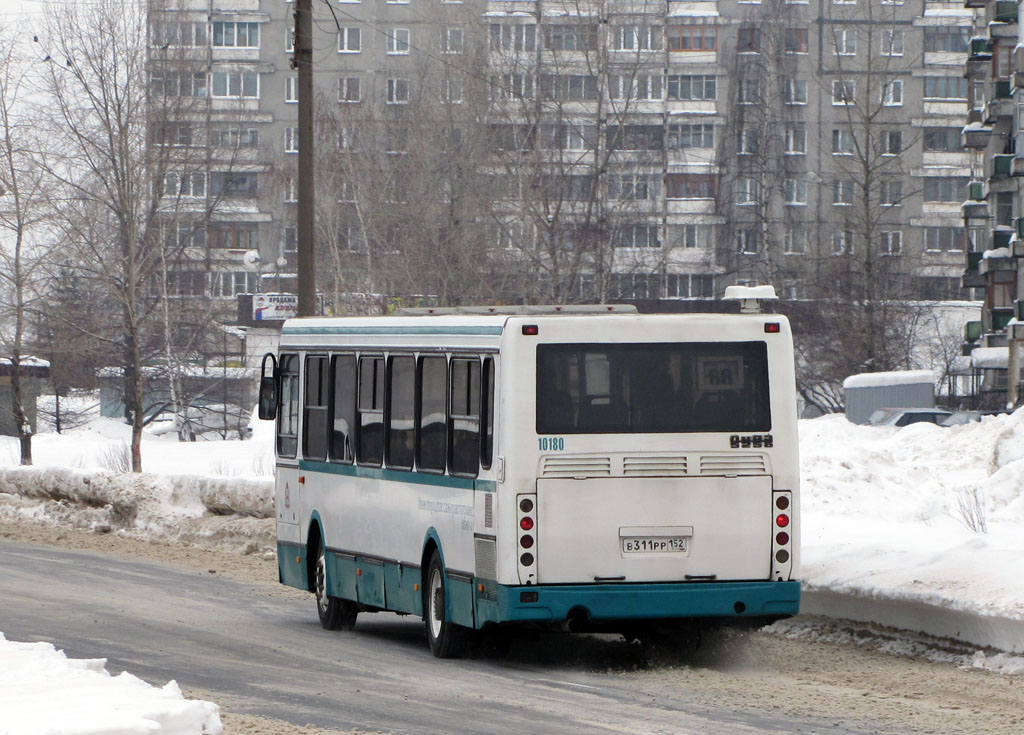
(303,62)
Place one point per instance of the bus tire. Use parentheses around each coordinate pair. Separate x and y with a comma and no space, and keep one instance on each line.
(335,613)
(446,639)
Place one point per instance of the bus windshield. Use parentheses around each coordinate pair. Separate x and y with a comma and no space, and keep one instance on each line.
(652,388)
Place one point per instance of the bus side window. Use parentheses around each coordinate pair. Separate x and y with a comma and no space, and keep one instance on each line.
(370,443)
(288,415)
(432,437)
(465,417)
(401,405)
(314,414)
(487,446)
(343,405)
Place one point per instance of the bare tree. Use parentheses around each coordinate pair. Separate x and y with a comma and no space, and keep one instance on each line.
(22,189)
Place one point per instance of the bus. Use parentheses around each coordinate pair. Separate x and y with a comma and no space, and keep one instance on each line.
(584,468)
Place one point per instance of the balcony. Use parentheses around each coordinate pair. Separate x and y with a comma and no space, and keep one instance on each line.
(1000,318)
(1018,168)
(975,207)
(991,265)
(975,3)
(1005,12)
(1002,165)
(974,260)
(975,136)
(980,48)
(972,331)
(1001,237)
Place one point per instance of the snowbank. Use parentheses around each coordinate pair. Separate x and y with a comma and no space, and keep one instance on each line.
(35,676)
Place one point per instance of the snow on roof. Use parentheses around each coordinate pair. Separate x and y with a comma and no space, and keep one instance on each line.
(895,377)
(990,357)
(27,361)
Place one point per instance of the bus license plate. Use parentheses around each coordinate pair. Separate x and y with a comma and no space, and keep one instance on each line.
(653,544)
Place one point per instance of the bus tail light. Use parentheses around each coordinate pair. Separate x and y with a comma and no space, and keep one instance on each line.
(782,550)
(526,511)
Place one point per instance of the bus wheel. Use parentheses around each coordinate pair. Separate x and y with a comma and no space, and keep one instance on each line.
(446,639)
(335,613)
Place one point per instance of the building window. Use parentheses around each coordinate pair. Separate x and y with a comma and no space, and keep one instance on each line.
(291,190)
(794,241)
(748,40)
(234,235)
(291,140)
(845,40)
(235,137)
(690,186)
(843,91)
(291,88)
(695,34)
(843,143)
(892,42)
(842,192)
(747,190)
(795,191)
(640,236)
(689,286)
(890,242)
(946,38)
(842,242)
(691,87)
(796,41)
(236,35)
(452,91)
(289,41)
(634,187)
(234,185)
(397,91)
(944,239)
(945,88)
(945,188)
(348,89)
(749,91)
(507,37)
(236,85)
(635,38)
(795,91)
(190,185)
(398,41)
(796,140)
(178,84)
(892,93)
(348,40)
(747,241)
(891,192)
(228,284)
(570,37)
(634,86)
(692,236)
(188,34)
(694,135)
(942,140)
(451,41)
(892,142)
(750,140)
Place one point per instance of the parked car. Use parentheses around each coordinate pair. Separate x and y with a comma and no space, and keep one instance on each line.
(907,416)
(209,421)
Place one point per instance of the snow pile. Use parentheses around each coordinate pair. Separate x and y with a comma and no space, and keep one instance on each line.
(923,513)
(43,691)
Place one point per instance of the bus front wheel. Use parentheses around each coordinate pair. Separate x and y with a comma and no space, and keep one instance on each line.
(446,639)
(335,613)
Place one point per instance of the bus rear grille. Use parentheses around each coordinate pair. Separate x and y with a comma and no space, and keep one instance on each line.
(648,466)
(732,464)
(486,558)
(576,467)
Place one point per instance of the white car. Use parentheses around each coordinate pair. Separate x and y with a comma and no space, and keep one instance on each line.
(907,416)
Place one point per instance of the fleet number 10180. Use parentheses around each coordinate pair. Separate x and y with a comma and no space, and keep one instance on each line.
(551,443)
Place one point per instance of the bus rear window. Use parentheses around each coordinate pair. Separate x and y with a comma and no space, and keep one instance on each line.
(652,388)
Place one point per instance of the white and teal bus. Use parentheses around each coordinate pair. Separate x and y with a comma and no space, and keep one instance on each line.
(584,467)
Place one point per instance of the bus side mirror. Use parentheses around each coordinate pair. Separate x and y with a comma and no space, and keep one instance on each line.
(267,404)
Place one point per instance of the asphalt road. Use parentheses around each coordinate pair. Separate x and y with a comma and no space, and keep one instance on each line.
(257,652)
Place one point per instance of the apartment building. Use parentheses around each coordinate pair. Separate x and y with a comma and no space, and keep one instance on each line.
(994,73)
(608,150)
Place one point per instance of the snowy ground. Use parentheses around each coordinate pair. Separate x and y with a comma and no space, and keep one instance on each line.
(917,519)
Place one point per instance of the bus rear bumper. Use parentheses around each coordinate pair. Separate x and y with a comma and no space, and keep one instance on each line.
(609,602)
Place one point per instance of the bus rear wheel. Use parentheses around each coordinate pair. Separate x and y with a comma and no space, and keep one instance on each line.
(335,613)
(446,639)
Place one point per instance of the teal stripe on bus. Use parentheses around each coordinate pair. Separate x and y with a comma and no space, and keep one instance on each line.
(298,331)
(416,478)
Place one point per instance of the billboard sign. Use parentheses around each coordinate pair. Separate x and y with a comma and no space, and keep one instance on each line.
(274,306)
